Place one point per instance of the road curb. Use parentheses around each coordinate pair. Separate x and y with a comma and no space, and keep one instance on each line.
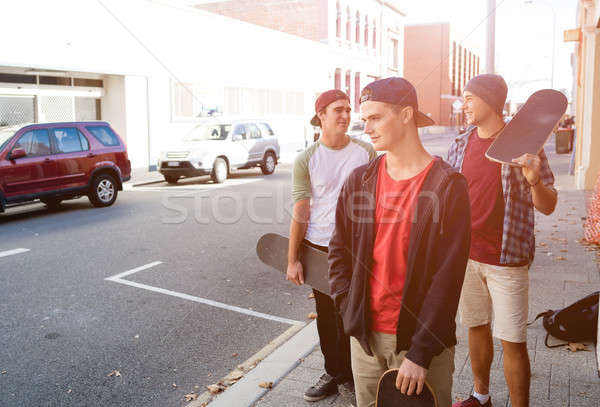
(270,364)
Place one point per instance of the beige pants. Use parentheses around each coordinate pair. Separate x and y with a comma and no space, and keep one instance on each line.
(499,291)
(368,369)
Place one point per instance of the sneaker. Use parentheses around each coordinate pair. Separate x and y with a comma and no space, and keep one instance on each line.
(347,394)
(472,402)
(325,387)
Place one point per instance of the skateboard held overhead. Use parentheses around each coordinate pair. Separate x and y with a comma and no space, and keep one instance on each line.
(530,128)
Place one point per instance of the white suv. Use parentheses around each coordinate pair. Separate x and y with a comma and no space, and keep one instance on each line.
(215,148)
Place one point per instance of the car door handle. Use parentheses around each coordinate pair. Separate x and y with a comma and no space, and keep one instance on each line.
(90,155)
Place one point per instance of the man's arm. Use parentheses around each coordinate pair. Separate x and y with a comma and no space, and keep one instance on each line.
(298,226)
(437,315)
(538,174)
(340,260)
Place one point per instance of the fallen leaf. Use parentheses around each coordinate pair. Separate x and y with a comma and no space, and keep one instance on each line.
(174,385)
(572,222)
(289,303)
(215,388)
(554,226)
(266,385)
(69,391)
(564,251)
(4,372)
(137,337)
(560,258)
(191,397)
(311,295)
(312,315)
(542,244)
(114,373)
(196,387)
(234,355)
(575,347)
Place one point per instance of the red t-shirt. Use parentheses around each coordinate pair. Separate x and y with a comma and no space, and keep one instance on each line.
(487,201)
(393,220)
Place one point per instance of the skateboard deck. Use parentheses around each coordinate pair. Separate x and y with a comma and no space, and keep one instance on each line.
(529,130)
(389,396)
(272,249)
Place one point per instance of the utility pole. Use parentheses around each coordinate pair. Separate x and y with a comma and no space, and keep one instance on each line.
(491,37)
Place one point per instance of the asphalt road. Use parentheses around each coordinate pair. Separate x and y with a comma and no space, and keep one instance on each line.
(64,328)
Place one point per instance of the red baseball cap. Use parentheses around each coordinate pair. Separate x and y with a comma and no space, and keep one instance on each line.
(324,100)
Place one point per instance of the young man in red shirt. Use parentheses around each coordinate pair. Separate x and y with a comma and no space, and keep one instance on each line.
(399,251)
(503,244)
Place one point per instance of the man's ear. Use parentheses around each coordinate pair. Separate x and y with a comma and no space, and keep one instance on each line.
(407,114)
(321,114)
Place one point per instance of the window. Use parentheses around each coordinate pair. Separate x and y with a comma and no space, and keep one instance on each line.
(357,91)
(393,54)
(104,135)
(337,82)
(459,72)
(366,39)
(70,140)
(348,88)
(338,20)
(253,131)
(374,34)
(265,129)
(348,25)
(357,28)
(208,132)
(453,80)
(239,130)
(35,143)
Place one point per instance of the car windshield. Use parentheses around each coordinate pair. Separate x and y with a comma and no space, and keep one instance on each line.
(208,132)
(6,133)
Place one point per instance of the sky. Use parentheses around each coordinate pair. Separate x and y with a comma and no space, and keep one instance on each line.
(524,37)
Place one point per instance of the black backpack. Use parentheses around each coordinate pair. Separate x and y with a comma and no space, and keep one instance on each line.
(576,323)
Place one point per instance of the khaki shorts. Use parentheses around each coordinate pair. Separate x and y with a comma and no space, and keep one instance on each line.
(368,369)
(501,291)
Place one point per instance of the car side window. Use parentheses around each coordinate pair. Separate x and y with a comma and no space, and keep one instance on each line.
(104,135)
(35,143)
(69,140)
(253,131)
(240,130)
(265,129)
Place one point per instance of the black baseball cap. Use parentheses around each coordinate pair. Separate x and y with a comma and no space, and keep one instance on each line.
(396,91)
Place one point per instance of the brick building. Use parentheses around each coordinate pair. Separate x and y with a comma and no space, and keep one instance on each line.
(365,37)
(439,67)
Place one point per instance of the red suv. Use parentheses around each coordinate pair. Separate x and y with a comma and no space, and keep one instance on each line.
(57,161)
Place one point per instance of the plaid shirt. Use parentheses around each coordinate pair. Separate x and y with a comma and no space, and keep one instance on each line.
(518,237)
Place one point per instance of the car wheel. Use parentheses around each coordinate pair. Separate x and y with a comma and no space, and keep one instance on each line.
(219,171)
(268,164)
(51,203)
(171,179)
(103,191)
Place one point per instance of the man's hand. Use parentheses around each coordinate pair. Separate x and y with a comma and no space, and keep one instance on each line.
(410,377)
(531,165)
(295,273)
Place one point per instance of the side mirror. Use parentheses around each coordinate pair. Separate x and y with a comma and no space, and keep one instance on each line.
(17,153)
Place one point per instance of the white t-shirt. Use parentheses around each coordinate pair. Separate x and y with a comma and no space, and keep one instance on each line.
(319,174)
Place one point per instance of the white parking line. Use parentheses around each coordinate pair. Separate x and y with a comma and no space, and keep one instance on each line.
(117,278)
(14,251)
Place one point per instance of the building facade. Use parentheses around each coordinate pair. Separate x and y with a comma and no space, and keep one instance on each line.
(153,85)
(364,38)
(587,94)
(439,66)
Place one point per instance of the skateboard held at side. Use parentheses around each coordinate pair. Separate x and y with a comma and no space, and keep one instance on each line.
(272,250)
(389,396)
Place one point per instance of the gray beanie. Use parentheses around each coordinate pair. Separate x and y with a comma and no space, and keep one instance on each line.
(491,88)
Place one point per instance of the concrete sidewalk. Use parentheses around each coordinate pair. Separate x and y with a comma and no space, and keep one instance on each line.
(563,271)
